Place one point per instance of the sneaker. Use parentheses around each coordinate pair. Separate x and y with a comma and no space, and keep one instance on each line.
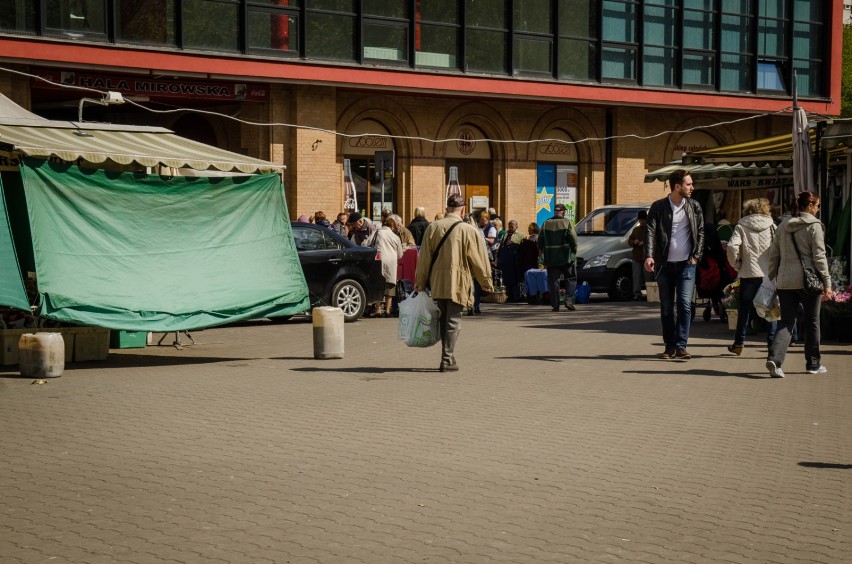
(774,370)
(683,354)
(449,368)
(736,349)
(667,354)
(570,306)
(555,308)
(819,370)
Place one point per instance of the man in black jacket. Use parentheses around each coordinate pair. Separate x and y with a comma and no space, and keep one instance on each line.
(674,242)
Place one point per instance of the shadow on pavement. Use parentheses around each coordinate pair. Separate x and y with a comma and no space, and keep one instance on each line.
(697,372)
(128,361)
(826,465)
(364,369)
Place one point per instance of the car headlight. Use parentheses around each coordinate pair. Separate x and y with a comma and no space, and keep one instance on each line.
(597,261)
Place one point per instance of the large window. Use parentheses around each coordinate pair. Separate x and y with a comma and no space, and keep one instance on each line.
(385,27)
(273,27)
(19,17)
(487,36)
(577,53)
(75,19)
(620,48)
(437,33)
(149,22)
(659,58)
(736,46)
(533,43)
(330,30)
(211,25)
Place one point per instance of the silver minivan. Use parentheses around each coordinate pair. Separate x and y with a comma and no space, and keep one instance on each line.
(603,255)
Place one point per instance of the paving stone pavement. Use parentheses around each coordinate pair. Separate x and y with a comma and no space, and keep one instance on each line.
(561,439)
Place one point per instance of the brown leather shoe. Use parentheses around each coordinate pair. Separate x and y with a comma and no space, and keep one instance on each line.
(736,349)
(666,354)
(682,354)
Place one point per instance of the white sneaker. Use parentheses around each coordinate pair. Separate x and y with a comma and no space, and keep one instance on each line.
(774,370)
(821,370)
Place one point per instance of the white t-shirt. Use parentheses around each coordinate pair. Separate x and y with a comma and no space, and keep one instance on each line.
(680,247)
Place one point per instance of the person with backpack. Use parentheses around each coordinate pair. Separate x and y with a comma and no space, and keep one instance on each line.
(748,253)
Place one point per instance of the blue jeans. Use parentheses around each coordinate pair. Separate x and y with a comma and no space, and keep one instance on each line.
(676,279)
(748,290)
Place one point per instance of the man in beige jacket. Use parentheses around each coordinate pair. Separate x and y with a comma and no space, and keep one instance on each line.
(450,279)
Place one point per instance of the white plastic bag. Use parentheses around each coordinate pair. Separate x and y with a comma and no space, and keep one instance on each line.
(418,321)
(766,302)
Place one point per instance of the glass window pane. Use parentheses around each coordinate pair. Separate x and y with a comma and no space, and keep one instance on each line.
(808,10)
(699,69)
(444,11)
(150,23)
(772,8)
(279,3)
(736,6)
(619,22)
(533,55)
(619,63)
(660,25)
(77,18)
(658,66)
(807,41)
(808,77)
(698,4)
(698,30)
(386,42)
(770,38)
(437,46)
(735,34)
(211,25)
(577,59)
(330,36)
(18,17)
(769,76)
(578,18)
(533,16)
(486,51)
(736,73)
(487,13)
(275,31)
(335,5)
(386,8)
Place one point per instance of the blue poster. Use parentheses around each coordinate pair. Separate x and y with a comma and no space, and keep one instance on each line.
(546,182)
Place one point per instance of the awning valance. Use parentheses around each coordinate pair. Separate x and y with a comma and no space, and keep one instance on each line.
(100,143)
(719,170)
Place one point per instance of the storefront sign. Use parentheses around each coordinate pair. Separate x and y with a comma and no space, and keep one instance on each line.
(154,87)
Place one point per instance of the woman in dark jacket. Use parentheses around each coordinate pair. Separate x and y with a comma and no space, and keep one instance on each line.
(418,225)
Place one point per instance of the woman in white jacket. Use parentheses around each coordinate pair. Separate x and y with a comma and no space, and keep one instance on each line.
(805,231)
(390,248)
(748,253)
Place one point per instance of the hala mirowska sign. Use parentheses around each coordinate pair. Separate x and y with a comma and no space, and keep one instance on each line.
(154,87)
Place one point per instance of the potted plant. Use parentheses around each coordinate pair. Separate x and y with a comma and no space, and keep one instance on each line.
(839,312)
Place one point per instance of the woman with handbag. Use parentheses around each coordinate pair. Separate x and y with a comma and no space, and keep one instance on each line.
(798,264)
(748,253)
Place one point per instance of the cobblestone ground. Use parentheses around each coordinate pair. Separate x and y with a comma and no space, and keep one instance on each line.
(561,439)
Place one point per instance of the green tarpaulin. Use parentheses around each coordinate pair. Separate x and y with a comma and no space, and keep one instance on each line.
(145,253)
(11,286)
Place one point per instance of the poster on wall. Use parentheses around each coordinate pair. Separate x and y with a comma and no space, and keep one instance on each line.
(545,184)
(556,184)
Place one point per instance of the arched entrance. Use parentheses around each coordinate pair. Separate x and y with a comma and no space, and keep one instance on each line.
(557,174)
(471,159)
(371,163)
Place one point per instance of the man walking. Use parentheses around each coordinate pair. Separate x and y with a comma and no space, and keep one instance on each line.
(557,242)
(451,256)
(674,243)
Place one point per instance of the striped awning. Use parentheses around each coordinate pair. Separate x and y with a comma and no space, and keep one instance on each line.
(711,171)
(776,150)
(98,143)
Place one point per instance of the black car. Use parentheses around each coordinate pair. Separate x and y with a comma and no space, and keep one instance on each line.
(338,272)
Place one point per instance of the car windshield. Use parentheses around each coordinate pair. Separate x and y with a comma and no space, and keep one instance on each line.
(610,222)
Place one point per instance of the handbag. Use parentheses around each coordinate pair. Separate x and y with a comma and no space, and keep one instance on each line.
(812,282)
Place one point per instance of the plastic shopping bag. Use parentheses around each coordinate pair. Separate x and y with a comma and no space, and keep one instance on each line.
(418,321)
(766,302)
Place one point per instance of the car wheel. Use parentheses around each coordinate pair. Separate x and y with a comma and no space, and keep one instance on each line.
(349,296)
(621,288)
